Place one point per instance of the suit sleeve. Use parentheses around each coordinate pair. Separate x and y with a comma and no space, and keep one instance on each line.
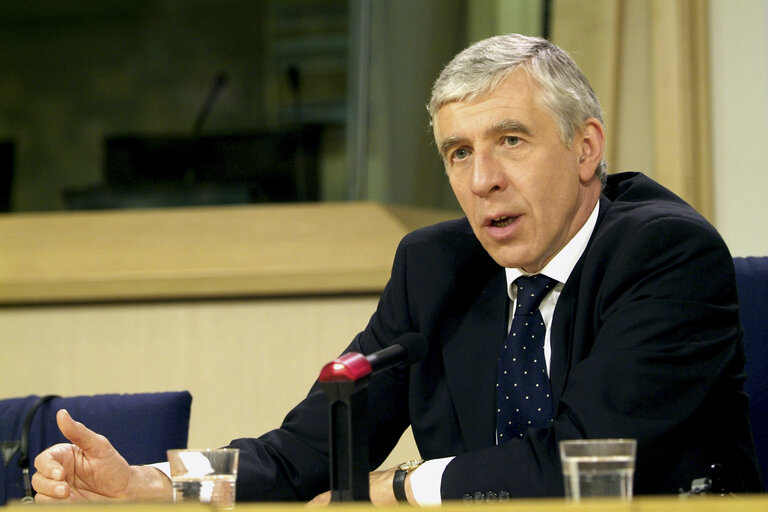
(654,354)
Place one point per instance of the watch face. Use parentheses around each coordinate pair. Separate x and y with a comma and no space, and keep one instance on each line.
(410,465)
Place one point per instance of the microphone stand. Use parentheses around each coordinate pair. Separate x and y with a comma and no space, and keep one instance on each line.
(345,382)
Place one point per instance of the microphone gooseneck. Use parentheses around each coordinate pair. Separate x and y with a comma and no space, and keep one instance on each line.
(408,349)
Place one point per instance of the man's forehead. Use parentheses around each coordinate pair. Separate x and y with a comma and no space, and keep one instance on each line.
(515,91)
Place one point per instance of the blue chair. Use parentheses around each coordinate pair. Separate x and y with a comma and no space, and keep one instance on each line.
(752,284)
(140,426)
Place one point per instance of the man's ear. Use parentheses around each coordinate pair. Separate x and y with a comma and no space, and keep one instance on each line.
(591,145)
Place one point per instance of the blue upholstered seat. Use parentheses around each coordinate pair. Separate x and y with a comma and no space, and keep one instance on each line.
(140,426)
(752,283)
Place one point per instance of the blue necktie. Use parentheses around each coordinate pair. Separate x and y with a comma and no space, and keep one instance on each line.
(522,391)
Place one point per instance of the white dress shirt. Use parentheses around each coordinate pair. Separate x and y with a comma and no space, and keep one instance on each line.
(425,480)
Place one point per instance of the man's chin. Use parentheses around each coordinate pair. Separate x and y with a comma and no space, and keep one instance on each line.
(509,255)
(512,259)
(507,259)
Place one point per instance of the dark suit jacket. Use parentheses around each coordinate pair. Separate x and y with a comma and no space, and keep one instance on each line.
(646,344)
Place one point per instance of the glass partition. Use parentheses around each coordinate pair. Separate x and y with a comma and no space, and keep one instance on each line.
(157,103)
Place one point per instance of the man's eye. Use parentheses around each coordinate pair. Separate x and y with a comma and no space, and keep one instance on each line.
(460,154)
(511,140)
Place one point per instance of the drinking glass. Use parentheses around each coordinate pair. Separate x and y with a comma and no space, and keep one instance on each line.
(204,476)
(598,467)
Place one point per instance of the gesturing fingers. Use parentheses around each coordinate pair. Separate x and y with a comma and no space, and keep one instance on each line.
(50,479)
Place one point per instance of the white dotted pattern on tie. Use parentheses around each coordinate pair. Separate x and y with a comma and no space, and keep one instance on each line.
(527,306)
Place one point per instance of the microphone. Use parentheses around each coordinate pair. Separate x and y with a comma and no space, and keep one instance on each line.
(408,349)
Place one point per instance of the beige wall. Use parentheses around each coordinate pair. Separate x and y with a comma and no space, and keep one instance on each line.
(739,42)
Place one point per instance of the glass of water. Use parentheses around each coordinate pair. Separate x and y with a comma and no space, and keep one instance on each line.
(598,467)
(204,476)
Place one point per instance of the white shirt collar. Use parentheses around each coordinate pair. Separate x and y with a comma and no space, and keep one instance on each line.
(560,267)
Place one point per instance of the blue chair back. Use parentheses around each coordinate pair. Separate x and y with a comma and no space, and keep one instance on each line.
(140,426)
(752,284)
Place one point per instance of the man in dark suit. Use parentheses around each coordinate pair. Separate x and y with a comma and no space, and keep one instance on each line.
(641,335)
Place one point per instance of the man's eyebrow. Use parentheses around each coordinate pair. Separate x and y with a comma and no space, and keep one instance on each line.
(449,142)
(508,125)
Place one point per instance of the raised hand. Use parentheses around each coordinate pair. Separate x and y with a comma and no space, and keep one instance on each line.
(90,469)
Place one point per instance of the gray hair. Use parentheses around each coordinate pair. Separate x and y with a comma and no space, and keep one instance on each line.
(563,88)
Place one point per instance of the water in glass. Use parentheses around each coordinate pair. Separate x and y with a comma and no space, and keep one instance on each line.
(598,475)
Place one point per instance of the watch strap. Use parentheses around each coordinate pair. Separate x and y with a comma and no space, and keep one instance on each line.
(398,485)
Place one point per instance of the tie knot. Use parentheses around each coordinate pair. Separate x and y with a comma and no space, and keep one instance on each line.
(531,290)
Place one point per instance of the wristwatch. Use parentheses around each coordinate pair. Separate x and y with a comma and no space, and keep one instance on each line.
(398,484)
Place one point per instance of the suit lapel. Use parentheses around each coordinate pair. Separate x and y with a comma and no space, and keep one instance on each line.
(562,334)
(563,322)
(471,356)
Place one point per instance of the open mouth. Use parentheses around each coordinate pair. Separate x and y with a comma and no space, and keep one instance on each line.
(503,222)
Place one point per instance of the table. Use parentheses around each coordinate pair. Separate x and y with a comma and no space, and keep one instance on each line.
(743,503)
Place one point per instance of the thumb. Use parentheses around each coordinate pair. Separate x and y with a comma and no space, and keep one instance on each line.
(80,435)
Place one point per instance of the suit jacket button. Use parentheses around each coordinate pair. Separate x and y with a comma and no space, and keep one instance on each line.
(490,496)
(504,496)
(467,498)
(479,496)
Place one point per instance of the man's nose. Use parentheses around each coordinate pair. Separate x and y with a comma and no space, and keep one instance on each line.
(487,175)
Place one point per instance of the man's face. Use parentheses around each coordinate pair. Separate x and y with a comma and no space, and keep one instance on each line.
(525,193)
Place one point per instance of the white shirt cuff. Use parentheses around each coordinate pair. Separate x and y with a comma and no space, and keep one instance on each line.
(165,467)
(426,480)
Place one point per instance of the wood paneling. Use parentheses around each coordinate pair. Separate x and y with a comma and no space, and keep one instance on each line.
(313,248)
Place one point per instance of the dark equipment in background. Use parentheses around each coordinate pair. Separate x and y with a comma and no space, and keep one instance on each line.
(269,166)
(7,157)
(262,166)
